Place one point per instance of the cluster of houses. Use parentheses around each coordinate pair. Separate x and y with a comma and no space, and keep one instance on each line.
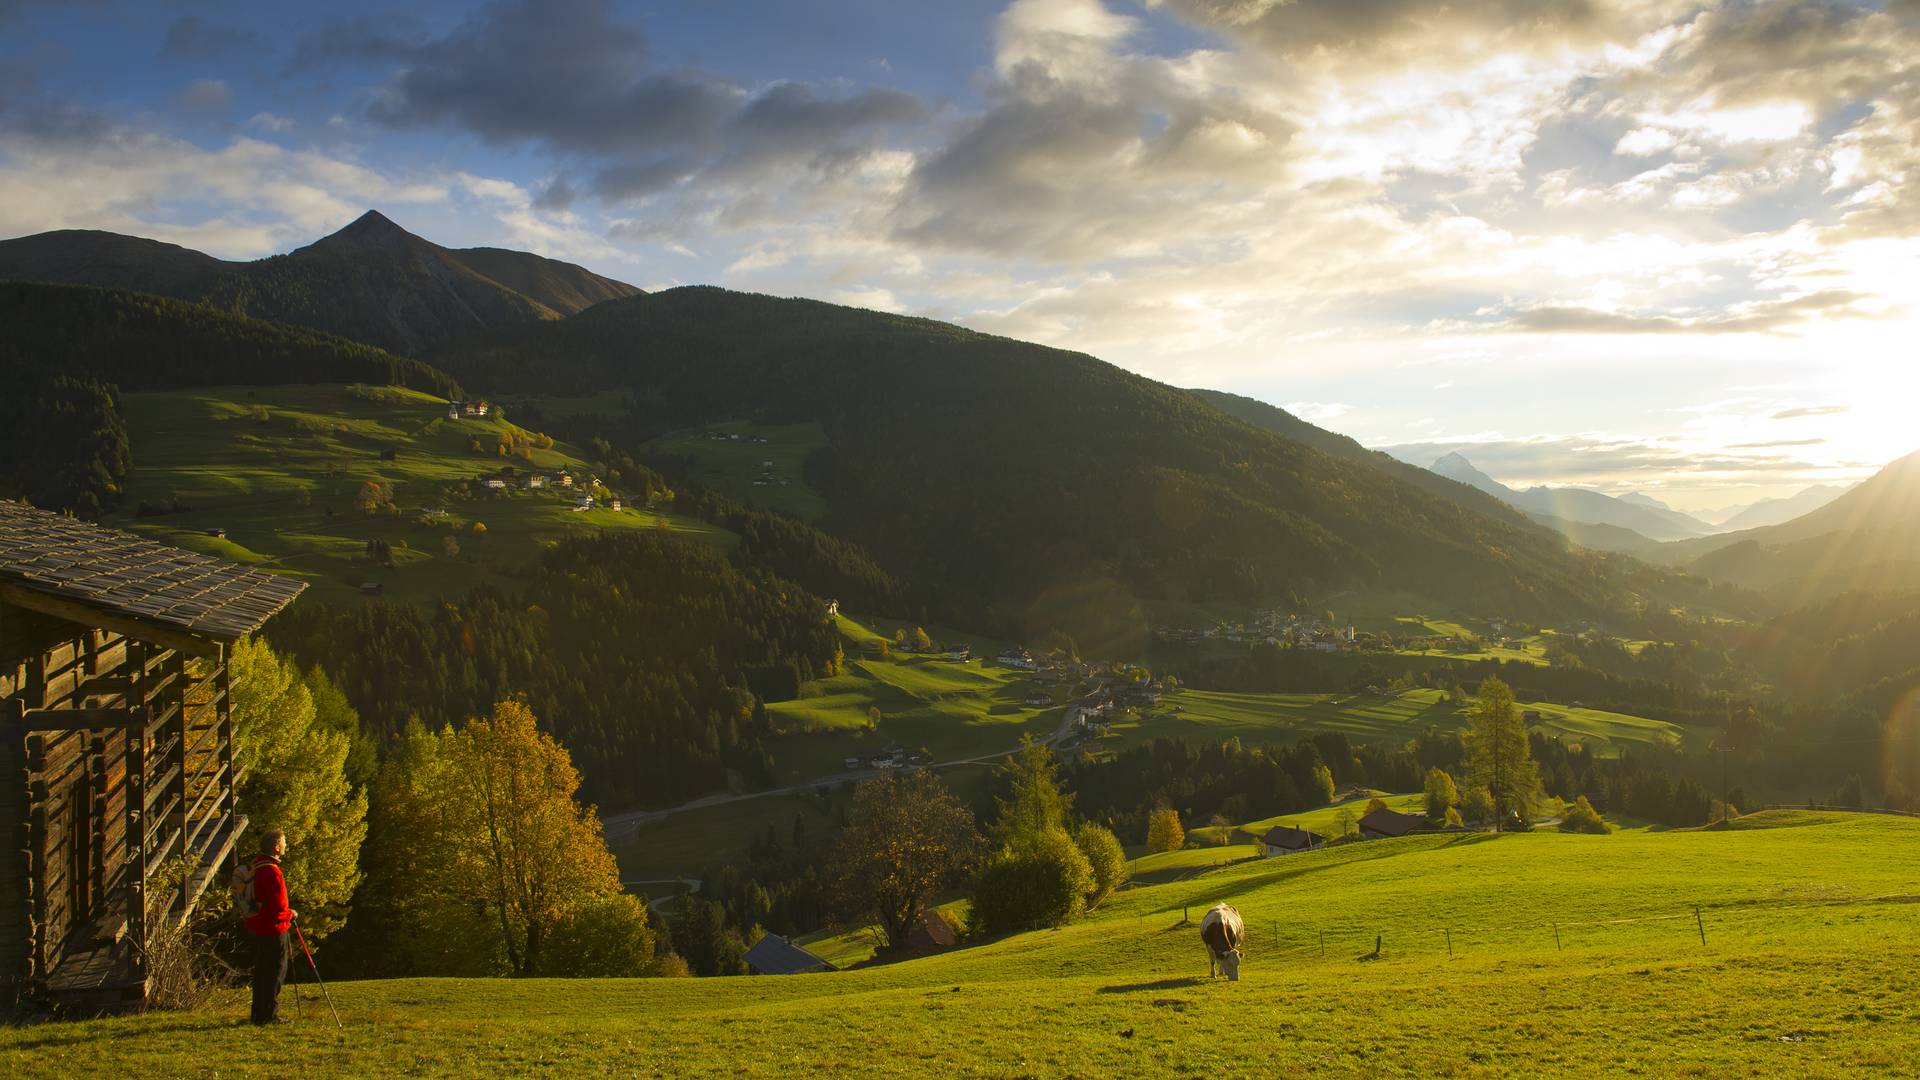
(1271,627)
(476,409)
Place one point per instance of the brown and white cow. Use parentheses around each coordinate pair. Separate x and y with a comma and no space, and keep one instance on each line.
(1220,928)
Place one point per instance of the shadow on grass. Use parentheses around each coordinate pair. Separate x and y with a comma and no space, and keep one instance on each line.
(71,1035)
(1163,984)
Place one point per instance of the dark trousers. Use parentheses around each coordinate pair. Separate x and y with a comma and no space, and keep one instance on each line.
(269,974)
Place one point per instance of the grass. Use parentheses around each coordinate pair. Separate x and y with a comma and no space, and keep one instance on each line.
(1325,820)
(954,711)
(1208,715)
(733,465)
(279,468)
(1801,974)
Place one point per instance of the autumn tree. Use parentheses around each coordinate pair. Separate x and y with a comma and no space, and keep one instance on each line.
(1164,832)
(295,767)
(920,641)
(1037,875)
(1499,756)
(373,497)
(907,840)
(484,850)
(1442,796)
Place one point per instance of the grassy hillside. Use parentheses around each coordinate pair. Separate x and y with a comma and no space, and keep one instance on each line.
(761,465)
(279,469)
(1799,975)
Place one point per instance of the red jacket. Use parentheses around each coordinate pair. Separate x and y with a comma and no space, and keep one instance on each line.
(270,892)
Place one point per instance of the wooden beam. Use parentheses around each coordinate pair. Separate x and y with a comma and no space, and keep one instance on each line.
(83,719)
(85,614)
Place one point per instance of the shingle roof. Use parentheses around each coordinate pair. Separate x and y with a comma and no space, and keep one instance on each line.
(1391,822)
(775,955)
(1286,836)
(137,578)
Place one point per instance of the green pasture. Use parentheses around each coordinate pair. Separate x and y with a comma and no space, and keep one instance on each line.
(279,469)
(1209,715)
(953,711)
(1772,950)
(733,465)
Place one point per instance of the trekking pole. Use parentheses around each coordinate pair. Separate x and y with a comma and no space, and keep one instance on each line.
(302,939)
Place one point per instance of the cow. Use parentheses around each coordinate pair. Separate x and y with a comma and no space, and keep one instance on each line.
(1221,930)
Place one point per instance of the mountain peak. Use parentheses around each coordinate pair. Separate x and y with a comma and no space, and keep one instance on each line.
(371,231)
(1455,466)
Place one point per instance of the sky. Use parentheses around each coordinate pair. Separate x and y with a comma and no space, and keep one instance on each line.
(1622,244)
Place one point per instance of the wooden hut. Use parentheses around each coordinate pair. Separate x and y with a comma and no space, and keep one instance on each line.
(117,771)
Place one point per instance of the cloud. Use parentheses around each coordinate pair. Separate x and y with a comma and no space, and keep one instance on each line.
(191,37)
(1771,444)
(570,77)
(1809,410)
(1754,317)
(205,95)
(1318,412)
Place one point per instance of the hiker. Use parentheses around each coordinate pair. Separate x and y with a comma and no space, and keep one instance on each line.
(268,921)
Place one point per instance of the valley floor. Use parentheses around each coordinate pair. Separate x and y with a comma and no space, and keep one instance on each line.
(1808,969)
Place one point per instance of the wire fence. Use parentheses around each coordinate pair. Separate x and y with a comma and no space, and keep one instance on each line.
(1271,935)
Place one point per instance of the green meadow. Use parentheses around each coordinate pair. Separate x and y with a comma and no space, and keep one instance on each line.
(761,465)
(1254,718)
(1779,948)
(279,468)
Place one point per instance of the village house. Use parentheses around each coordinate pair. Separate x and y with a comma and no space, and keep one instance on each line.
(535,480)
(496,484)
(833,609)
(116,748)
(1037,700)
(960,653)
(1285,840)
(476,409)
(775,955)
(1381,823)
(565,479)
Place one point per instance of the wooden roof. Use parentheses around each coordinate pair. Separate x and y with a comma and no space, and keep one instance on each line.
(119,574)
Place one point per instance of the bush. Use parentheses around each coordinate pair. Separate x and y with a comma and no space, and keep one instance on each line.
(1044,883)
(609,938)
(1581,818)
(1105,856)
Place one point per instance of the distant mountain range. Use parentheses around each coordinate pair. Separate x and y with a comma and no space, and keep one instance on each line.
(1766,512)
(372,281)
(1861,540)
(1640,514)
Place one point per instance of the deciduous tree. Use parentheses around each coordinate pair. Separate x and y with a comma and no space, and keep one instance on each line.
(907,839)
(1442,796)
(1164,832)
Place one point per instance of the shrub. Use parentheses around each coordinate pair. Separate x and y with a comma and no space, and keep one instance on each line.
(1442,796)
(1106,858)
(1043,883)
(1476,804)
(1581,818)
(608,938)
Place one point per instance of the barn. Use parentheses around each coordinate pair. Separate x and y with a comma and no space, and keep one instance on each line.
(117,770)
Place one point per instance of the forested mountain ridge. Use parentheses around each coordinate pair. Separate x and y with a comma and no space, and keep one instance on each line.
(1280,421)
(371,281)
(70,351)
(1013,474)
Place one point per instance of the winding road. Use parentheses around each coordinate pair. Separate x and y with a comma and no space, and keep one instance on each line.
(623,826)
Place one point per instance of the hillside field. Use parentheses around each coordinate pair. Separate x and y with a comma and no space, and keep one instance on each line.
(279,468)
(1804,972)
(1256,718)
(762,465)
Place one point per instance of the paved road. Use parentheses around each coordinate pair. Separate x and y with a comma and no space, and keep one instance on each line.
(621,826)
